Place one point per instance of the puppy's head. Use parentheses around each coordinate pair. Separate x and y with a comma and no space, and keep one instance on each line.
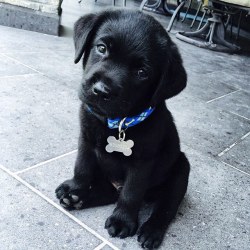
(129,62)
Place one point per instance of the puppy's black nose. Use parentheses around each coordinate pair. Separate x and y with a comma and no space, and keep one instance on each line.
(100,89)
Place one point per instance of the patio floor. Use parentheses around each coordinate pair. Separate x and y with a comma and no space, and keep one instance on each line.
(38,137)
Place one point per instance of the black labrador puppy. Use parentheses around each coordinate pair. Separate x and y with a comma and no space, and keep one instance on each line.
(129,149)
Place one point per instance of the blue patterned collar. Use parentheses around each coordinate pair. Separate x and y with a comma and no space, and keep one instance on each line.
(129,121)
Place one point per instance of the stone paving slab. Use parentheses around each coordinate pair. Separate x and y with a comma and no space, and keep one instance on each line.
(28,222)
(209,130)
(197,62)
(57,65)
(239,80)
(39,120)
(106,248)
(214,214)
(238,156)
(204,89)
(231,69)
(237,103)
(10,67)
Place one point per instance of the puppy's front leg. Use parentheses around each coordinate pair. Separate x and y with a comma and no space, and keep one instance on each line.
(123,222)
(73,193)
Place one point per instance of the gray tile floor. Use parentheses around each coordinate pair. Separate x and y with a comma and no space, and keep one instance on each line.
(38,138)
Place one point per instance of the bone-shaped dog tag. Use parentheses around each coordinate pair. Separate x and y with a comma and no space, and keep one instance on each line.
(119,145)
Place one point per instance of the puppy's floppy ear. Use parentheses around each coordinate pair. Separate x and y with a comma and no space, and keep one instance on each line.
(173,79)
(84,30)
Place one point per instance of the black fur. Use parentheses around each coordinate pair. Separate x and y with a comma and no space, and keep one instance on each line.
(141,67)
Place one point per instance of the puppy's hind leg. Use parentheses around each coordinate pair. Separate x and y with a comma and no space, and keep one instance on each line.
(168,198)
(102,193)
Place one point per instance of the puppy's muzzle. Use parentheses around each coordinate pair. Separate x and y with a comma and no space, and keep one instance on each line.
(101,90)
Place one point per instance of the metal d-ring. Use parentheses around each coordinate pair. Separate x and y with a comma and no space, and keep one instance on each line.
(121,131)
(122,135)
(120,124)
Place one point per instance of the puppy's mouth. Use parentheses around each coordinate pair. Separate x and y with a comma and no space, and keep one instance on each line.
(96,110)
(94,106)
(106,108)
(109,111)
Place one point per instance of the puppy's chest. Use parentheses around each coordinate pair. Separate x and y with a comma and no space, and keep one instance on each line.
(114,164)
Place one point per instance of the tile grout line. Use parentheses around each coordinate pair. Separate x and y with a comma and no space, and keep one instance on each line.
(13,59)
(229,165)
(239,115)
(45,162)
(55,205)
(234,144)
(99,247)
(217,98)
(30,74)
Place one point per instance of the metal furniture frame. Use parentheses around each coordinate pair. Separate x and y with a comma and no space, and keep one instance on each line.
(212,34)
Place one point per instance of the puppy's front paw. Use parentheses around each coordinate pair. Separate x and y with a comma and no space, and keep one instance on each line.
(71,195)
(121,225)
(150,236)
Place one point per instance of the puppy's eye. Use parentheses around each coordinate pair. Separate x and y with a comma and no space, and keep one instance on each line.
(142,74)
(101,48)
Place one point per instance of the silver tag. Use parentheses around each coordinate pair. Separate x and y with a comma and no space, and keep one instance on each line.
(119,145)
